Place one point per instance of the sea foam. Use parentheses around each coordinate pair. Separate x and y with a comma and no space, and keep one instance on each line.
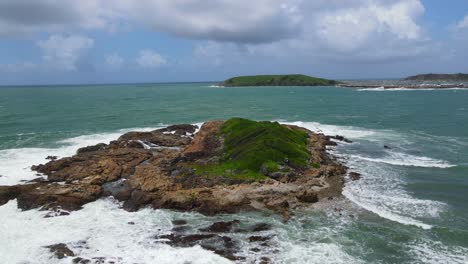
(100,229)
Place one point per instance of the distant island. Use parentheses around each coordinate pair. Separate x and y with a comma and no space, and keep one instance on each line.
(278,80)
(438,77)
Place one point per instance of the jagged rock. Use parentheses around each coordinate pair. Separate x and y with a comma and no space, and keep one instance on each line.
(8,193)
(181,130)
(162,137)
(354,176)
(341,138)
(61,251)
(138,199)
(79,260)
(308,197)
(221,245)
(260,227)
(97,147)
(220,227)
(120,190)
(205,143)
(65,196)
(259,238)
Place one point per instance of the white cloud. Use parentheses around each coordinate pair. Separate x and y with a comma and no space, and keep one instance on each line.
(463,24)
(223,20)
(114,61)
(352,28)
(349,29)
(65,52)
(150,59)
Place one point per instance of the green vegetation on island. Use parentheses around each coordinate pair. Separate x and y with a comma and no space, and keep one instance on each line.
(438,77)
(278,80)
(253,149)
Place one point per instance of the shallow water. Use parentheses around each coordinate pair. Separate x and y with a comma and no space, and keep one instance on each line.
(409,207)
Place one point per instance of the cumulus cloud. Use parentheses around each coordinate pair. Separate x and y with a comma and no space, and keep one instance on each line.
(114,61)
(65,52)
(352,29)
(223,20)
(150,59)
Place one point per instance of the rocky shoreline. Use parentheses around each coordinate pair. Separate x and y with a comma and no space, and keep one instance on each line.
(158,169)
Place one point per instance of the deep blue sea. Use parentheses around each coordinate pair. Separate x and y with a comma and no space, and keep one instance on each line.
(411,205)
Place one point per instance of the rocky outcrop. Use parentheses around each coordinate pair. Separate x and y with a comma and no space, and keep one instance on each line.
(158,169)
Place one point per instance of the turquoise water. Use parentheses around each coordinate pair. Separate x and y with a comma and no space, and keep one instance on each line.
(411,206)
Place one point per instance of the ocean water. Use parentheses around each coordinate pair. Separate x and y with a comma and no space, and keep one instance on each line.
(411,205)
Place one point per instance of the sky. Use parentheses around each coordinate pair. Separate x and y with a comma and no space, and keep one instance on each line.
(127,41)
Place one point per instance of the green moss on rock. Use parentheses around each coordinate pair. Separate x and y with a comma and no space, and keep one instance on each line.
(253,149)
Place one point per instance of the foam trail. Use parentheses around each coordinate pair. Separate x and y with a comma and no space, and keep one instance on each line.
(402,159)
(380,191)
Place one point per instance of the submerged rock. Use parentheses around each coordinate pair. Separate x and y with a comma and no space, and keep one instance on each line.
(354,176)
(61,251)
(220,227)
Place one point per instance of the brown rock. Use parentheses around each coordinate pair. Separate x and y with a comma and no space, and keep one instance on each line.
(308,197)
(156,137)
(8,193)
(137,200)
(97,147)
(66,196)
(96,167)
(206,142)
(60,251)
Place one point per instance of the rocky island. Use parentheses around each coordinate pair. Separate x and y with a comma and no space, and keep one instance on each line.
(277,80)
(222,167)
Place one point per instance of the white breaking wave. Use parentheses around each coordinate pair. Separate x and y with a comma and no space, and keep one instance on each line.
(380,190)
(100,229)
(216,86)
(332,130)
(402,159)
(432,252)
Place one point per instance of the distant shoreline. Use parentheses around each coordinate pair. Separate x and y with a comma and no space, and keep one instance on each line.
(421,86)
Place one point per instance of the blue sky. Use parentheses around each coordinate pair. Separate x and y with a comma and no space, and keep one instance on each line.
(99,41)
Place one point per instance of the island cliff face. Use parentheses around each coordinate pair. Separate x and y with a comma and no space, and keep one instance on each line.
(226,167)
(278,80)
(438,77)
